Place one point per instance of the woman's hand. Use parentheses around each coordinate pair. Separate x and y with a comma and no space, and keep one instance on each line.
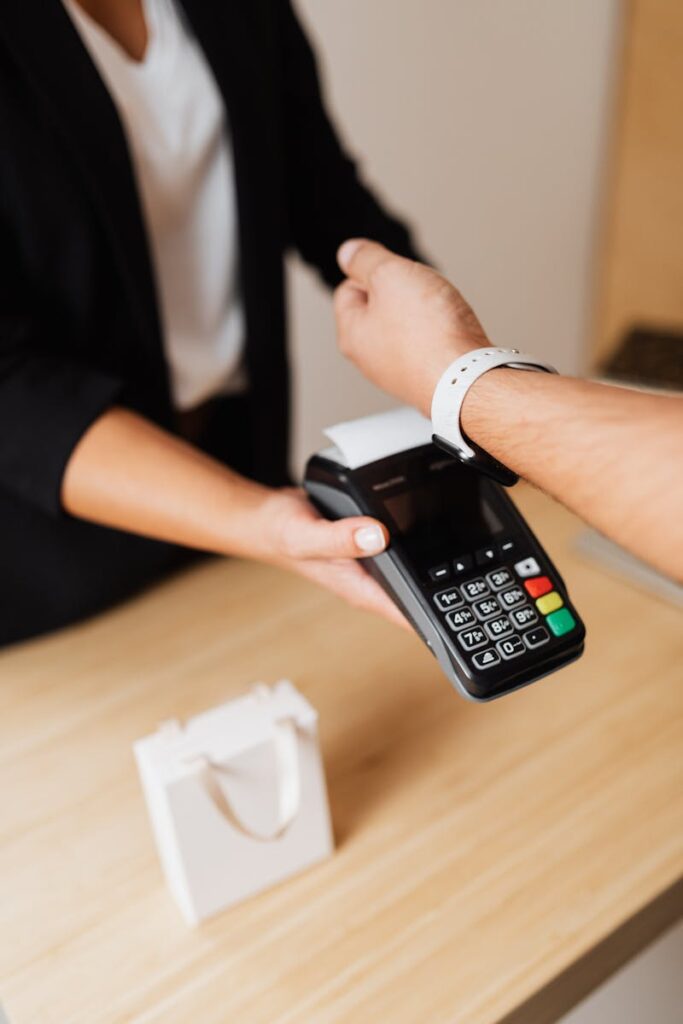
(298,539)
(400,322)
(128,473)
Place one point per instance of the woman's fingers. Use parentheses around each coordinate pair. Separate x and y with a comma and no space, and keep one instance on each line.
(325,551)
(350,581)
(357,537)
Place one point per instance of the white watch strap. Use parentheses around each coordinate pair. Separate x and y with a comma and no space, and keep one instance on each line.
(458,378)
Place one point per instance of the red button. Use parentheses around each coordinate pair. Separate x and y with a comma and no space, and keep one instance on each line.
(538,586)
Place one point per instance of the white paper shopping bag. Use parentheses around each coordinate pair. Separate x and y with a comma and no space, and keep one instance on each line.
(237,798)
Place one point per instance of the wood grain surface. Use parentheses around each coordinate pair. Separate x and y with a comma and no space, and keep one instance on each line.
(494,862)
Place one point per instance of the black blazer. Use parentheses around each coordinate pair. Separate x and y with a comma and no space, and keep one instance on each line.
(79,322)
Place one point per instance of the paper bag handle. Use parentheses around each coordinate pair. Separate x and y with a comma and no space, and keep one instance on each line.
(286,749)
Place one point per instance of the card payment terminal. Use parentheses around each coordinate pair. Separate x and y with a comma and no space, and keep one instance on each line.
(462,564)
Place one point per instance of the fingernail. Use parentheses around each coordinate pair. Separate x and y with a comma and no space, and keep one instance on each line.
(370,539)
(346,252)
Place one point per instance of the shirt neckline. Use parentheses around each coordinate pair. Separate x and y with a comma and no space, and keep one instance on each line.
(151,16)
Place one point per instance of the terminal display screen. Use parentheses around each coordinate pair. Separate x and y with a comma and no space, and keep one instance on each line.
(442,514)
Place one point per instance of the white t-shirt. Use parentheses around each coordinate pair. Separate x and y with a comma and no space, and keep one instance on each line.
(177,132)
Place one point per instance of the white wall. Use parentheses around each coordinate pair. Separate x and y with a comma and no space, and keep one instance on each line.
(483,120)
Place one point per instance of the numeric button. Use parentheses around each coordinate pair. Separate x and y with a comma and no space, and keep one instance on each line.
(485,608)
(471,639)
(525,616)
(474,589)
(512,647)
(460,618)
(447,599)
(499,578)
(498,628)
(512,597)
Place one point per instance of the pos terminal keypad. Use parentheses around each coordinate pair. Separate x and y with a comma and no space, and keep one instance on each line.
(505,613)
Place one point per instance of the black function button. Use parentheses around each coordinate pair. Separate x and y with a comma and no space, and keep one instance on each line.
(486,659)
(486,556)
(462,564)
(474,589)
(498,628)
(512,597)
(507,547)
(487,607)
(499,578)
(439,573)
(512,647)
(525,616)
(460,618)
(471,639)
(447,599)
(536,637)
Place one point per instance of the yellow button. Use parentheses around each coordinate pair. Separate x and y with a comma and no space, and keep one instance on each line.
(549,603)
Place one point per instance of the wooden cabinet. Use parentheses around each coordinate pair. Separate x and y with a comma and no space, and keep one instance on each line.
(641,265)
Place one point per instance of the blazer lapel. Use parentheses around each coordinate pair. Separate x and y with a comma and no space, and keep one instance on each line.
(232,34)
(44,40)
(228,37)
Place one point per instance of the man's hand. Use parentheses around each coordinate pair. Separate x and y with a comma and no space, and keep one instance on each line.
(612,455)
(400,322)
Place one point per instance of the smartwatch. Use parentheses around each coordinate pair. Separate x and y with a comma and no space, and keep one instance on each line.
(449,396)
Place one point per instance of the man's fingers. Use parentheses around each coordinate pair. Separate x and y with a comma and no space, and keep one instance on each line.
(356,537)
(360,258)
(350,302)
(349,298)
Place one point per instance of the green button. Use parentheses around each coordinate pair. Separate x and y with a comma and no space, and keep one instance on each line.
(561,622)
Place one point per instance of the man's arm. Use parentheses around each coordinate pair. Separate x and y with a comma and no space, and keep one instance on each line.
(613,456)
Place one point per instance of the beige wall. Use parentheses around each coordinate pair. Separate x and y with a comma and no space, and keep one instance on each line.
(483,120)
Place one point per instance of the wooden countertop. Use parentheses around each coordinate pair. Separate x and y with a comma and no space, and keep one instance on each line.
(494,862)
